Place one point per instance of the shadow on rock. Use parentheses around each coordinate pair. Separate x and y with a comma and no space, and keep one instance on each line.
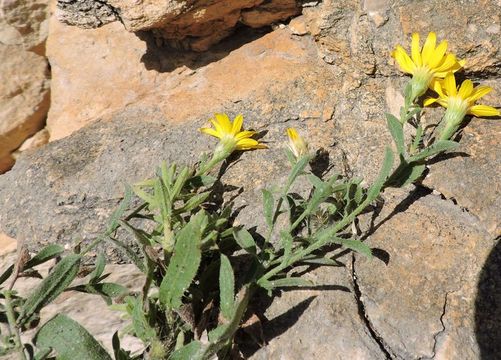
(488,306)
(165,58)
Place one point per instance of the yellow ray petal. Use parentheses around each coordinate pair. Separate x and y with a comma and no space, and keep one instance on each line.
(483,110)
(436,85)
(429,101)
(403,60)
(218,127)
(224,121)
(479,92)
(449,85)
(292,133)
(416,50)
(428,47)
(466,89)
(247,144)
(244,135)
(210,131)
(437,55)
(237,124)
(449,61)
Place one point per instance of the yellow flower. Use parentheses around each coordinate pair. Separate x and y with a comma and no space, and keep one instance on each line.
(459,102)
(427,63)
(230,135)
(297,145)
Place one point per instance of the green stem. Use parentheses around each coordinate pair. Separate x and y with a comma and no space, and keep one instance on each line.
(11,318)
(319,243)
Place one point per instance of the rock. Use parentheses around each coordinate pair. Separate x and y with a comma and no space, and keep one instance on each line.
(36,141)
(24,23)
(24,98)
(88,310)
(324,324)
(195,25)
(476,163)
(422,303)
(7,244)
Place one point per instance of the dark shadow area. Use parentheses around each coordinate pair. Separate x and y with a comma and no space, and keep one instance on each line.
(270,329)
(164,58)
(488,306)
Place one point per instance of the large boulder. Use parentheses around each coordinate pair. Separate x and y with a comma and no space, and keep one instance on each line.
(24,74)
(24,98)
(122,105)
(194,24)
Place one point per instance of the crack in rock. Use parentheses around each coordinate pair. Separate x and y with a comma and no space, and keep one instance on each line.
(440,332)
(385,348)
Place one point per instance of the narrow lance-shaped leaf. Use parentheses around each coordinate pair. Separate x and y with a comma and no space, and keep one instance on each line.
(290,282)
(355,245)
(98,270)
(54,284)
(268,207)
(375,189)
(438,147)
(47,253)
(183,264)
(245,240)
(226,288)
(396,131)
(296,171)
(70,340)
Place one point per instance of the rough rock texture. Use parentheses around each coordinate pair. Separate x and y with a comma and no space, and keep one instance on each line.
(24,84)
(121,104)
(430,314)
(24,98)
(189,24)
(328,314)
(24,23)
(78,305)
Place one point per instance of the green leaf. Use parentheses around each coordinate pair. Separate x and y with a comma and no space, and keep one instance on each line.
(106,289)
(397,132)
(245,240)
(286,242)
(201,180)
(42,354)
(120,354)
(438,147)
(296,171)
(70,340)
(182,177)
(290,282)
(190,351)
(98,270)
(375,189)
(194,202)
(47,253)
(183,264)
(417,139)
(6,274)
(54,284)
(355,245)
(414,172)
(140,324)
(223,333)
(119,212)
(130,254)
(226,288)
(268,203)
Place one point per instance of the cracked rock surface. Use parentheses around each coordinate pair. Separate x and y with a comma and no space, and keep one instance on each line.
(122,102)
(192,24)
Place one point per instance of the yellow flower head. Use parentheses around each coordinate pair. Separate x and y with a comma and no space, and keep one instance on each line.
(426,63)
(459,102)
(462,99)
(297,145)
(230,135)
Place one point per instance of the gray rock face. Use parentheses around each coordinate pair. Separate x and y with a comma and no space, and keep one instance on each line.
(190,24)
(437,296)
